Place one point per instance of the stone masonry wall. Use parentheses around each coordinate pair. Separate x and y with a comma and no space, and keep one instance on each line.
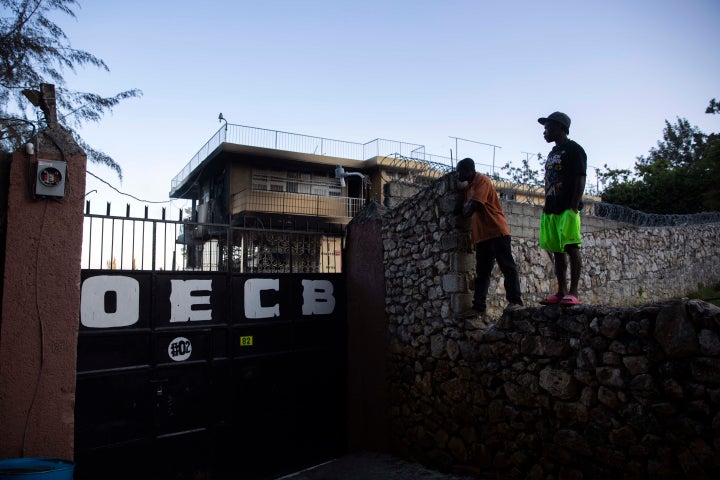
(622,264)
(586,392)
(582,392)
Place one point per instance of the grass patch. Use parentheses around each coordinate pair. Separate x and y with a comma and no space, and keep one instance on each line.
(710,294)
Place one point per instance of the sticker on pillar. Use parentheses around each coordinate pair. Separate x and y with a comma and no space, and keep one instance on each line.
(180,349)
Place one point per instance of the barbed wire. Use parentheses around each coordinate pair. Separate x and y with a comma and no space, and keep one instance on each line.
(413,171)
(624,214)
(533,195)
(420,172)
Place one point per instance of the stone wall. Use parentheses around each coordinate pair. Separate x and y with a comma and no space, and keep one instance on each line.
(585,392)
(622,264)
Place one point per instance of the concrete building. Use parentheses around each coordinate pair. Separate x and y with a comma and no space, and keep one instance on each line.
(285,182)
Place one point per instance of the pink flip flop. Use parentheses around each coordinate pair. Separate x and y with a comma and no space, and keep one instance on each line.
(570,300)
(551,299)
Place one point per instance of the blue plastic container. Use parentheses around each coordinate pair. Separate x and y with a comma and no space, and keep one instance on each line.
(36,469)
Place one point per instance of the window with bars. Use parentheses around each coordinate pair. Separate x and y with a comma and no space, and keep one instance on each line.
(316,183)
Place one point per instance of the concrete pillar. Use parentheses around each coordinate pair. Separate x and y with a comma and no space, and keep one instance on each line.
(41,300)
(368,401)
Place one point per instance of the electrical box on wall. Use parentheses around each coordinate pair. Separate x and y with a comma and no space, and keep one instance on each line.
(50,178)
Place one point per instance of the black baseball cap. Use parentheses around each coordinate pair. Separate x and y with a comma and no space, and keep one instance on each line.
(558,117)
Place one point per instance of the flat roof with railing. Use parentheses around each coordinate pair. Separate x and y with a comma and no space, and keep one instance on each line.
(306,144)
(294,142)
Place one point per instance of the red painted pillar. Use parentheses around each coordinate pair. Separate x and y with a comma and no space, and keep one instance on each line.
(41,299)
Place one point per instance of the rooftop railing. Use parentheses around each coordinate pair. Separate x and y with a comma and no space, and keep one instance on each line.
(294,142)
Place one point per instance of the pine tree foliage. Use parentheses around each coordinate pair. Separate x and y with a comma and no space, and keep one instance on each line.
(35,50)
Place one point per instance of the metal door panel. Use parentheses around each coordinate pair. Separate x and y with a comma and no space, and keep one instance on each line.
(221,391)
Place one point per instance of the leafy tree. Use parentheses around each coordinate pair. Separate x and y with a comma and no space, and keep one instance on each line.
(713,107)
(34,50)
(711,164)
(524,175)
(620,188)
(679,176)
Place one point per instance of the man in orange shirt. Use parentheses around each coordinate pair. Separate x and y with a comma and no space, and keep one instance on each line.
(491,236)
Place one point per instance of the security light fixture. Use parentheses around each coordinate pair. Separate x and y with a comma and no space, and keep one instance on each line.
(33,96)
(341,174)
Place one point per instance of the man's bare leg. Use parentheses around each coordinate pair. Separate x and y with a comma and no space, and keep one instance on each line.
(573,252)
(561,273)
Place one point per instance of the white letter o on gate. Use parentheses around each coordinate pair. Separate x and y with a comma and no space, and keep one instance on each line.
(92,301)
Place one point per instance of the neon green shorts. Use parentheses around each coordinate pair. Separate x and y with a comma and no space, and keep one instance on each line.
(556,231)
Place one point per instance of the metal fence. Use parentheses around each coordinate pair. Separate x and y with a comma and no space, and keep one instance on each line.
(113,242)
(294,142)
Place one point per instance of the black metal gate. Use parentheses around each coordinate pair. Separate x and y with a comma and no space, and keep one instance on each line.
(209,374)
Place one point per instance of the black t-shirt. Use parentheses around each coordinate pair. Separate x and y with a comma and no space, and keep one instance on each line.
(564,164)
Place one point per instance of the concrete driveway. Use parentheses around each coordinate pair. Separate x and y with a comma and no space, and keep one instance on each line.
(371,466)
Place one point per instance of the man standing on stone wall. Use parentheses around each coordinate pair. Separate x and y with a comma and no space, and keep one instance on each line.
(491,236)
(565,173)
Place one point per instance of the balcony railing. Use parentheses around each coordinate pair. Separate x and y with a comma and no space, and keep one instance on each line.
(265,201)
(293,142)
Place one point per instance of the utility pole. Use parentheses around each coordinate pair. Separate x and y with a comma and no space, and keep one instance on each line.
(480,143)
(527,155)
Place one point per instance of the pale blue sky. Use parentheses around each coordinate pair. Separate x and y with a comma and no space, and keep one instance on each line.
(412,71)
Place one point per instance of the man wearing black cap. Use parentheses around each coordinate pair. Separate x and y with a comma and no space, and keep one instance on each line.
(565,172)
